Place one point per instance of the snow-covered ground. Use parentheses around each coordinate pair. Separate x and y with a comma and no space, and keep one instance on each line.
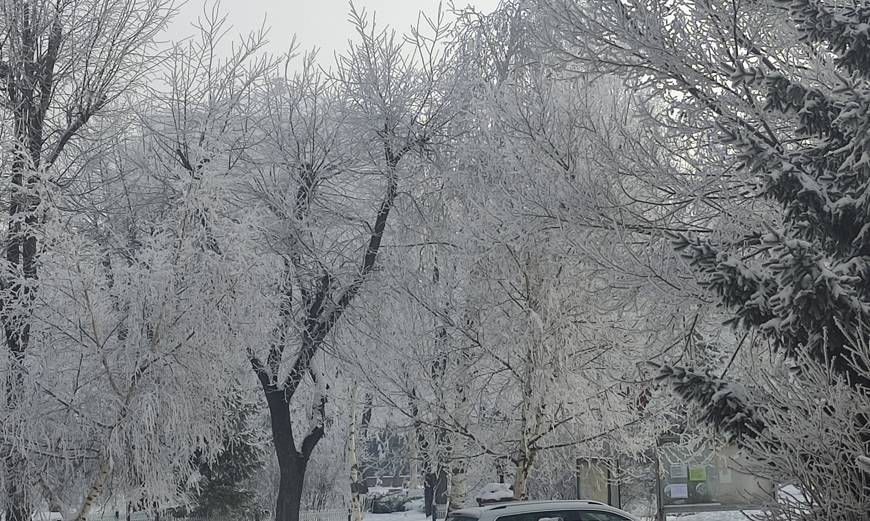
(705,516)
(711,516)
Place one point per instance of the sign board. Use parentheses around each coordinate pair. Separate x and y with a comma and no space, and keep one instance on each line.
(699,479)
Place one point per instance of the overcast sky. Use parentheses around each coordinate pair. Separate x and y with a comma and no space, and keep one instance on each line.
(316,23)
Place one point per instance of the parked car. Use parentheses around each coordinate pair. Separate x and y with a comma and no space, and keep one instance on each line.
(578,510)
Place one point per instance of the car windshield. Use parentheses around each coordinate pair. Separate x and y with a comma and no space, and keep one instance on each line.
(547,515)
(461,518)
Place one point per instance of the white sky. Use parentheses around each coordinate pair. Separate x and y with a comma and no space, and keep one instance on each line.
(316,23)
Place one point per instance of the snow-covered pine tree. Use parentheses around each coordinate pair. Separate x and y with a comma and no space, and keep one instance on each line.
(803,285)
(225,487)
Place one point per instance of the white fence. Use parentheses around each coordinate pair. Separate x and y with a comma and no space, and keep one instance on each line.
(325,515)
(320,515)
(311,515)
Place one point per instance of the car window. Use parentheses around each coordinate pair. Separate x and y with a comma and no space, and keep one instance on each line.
(592,515)
(560,515)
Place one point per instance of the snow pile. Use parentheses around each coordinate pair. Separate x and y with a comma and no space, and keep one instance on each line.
(495,492)
(385,500)
(380,491)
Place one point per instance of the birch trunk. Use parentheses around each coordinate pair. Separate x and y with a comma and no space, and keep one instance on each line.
(458,486)
(413,465)
(458,448)
(95,490)
(521,478)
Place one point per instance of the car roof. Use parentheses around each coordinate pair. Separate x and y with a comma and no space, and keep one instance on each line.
(520,507)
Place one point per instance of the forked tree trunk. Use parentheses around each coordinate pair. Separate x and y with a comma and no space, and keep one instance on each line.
(291,462)
(318,322)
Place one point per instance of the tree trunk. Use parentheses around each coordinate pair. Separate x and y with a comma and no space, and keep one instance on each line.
(499,469)
(413,464)
(458,488)
(521,478)
(429,493)
(440,491)
(421,450)
(291,462)
(16,316)
(95,491)
(355,485)
(434,483)
(458,447)
(290,490)
(318,322)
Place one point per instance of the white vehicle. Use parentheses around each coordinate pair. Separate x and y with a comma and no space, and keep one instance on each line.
(579,510)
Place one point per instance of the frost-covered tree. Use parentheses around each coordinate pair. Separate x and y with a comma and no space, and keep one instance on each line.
(340,148)
(61,64)
(138,311)
(530,294)
(509,341)
(117,388)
